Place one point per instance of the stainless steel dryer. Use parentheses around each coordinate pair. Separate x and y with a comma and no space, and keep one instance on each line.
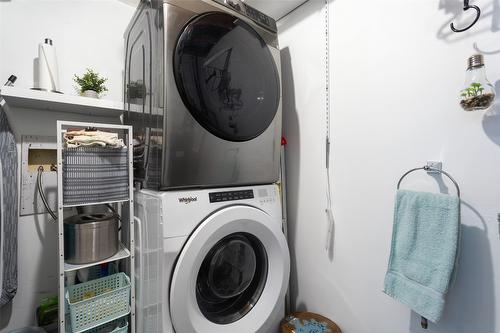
(202,90)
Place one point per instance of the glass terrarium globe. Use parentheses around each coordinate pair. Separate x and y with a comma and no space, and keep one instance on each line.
(478,92)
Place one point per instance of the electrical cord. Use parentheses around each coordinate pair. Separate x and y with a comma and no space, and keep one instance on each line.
(39,185)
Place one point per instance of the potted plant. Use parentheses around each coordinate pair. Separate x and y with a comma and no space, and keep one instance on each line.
(475,97)
(90,84)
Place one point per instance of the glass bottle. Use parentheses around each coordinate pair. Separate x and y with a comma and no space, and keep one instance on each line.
(478,92)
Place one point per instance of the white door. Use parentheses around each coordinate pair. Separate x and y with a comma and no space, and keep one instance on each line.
(231,275)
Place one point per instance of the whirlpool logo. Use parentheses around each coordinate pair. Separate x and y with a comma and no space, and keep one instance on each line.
(188,200)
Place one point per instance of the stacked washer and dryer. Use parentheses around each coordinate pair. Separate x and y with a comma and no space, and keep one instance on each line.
(202,91)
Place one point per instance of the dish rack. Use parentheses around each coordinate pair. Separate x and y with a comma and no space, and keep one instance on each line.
(90,176)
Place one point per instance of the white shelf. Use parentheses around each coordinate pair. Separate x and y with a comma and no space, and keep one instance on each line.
(43,100)
(121,254)
(95,203)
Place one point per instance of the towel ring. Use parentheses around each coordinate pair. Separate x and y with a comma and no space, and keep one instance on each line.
(427,168)
(423,320)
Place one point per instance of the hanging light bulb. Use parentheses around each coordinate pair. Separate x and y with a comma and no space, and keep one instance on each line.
(478,93)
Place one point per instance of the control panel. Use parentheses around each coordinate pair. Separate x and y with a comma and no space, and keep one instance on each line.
(258,17)
(230,195)
(267,197)
(261,18)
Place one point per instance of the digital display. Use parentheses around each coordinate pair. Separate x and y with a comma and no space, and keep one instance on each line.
(230,195)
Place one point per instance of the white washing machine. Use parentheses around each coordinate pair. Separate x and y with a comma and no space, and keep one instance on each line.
(210,261)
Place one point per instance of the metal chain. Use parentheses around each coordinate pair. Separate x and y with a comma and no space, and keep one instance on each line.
(327,72)
(328,210)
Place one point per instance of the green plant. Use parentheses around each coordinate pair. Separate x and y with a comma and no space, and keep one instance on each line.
(90,80)
(475,89)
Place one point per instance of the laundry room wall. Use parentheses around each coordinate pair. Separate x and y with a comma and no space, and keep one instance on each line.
(396,70)
(86,34)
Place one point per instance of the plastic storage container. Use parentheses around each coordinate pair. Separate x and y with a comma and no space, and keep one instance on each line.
(115,326)
(100,301)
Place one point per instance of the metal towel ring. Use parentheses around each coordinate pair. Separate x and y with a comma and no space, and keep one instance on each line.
(423,320)
(429,169)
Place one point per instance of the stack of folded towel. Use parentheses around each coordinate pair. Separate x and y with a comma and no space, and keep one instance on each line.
(424,251)
(77,138)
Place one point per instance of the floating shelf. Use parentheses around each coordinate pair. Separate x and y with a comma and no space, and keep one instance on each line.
(121,254)
(43,100)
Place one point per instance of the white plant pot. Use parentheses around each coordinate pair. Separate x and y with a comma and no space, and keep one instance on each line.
(90,93)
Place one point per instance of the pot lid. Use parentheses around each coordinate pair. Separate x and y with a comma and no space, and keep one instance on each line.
(91,220)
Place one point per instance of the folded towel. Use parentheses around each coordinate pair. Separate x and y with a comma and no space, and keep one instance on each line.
(78,138)
(424,251)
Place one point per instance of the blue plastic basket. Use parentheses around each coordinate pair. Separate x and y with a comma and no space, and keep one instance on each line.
(97,302)
(115,326)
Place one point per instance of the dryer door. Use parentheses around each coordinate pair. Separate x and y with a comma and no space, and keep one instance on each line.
(231,275)
(138,88)
(226,76)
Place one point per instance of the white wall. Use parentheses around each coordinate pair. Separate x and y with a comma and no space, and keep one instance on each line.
(86,33)
(396,73)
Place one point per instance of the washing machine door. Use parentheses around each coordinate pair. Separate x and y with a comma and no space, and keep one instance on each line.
(226,76)
(231,275)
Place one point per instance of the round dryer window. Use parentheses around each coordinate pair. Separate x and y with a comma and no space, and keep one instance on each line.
(231,275)
(226,76)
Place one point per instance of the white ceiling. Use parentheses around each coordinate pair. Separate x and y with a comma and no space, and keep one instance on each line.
(274,8)
(133,3)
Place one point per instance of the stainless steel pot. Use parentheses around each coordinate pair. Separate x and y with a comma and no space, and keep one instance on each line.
(90,237)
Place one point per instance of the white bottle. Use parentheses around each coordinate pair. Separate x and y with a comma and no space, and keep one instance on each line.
(48,76)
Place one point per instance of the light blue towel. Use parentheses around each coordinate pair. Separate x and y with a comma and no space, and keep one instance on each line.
(424,250)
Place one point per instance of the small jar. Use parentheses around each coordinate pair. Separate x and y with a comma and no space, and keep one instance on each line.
(478,93)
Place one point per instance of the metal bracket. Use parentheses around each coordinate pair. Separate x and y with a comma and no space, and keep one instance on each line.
(434,165)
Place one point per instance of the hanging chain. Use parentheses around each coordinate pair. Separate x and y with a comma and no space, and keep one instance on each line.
(328,210)
(327,72)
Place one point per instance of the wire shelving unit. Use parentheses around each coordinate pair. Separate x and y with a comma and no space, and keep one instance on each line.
(124,207)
